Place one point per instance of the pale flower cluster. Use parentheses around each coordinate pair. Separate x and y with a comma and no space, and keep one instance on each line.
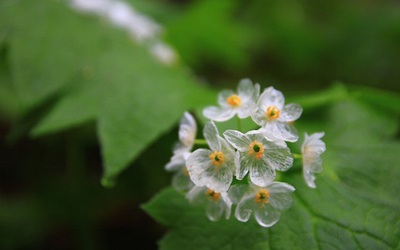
(207,173)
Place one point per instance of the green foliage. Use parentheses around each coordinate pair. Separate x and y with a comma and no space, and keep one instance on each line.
(94,73)
(355,204)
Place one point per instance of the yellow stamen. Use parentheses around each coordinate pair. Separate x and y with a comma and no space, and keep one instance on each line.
(217,158)
(213,195)
(185,171)
(234,101)
(256,149)
(272,113)
(262,197)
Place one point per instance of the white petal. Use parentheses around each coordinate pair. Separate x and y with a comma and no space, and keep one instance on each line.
(271,97)
(290,112)
(210,132)
(245,110)
(223,96)
(281,201)
(198,164)
(245,208)
(220,178)
(237,139)
(237,192)
(259,116)
(279,158)
(196,194)
(228,204)
(261,173)
(312,149)
(243,164)
(187,130)
(219,114)
(215,209)
(181,181)
(286,132)
(226,148)
(280,187)
(266,215)
(245,90)
(177,162)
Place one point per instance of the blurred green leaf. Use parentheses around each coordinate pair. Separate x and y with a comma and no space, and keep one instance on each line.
(355,204)
(98,73)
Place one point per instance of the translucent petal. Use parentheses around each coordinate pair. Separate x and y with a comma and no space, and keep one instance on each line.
(228,204)
(177,162)
(223,96)
(181,181)
(210,132)
(313,143)
(266,215)
(226,148)
(244,208)
(243,165)
(290,112)
(219,114)
(219,178)
(187,130)
(197,195)
(309,177)
(258,116)
(246,90)
(261,173)
(281,201)
(237,139)
(271,97)
(237,192)
(245,110)
(198,164)
(256,92)
(215,209)
(279,158)
(286,132)
(312,149)
(280,187)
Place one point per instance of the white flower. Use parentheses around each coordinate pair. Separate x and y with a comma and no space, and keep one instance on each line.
(241,103)
(187,135)
(216,203)
(275,118)
(259,156)
(212,168)
(311,150)
(266,202)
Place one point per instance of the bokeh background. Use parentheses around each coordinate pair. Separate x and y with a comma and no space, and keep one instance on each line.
(54,193)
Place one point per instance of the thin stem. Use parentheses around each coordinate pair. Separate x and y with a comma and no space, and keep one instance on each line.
(297,156)
(239,123)
(200,142)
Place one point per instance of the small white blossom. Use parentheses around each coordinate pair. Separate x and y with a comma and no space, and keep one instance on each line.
(216,203)
(212,168)
(275,117)
(266,202)
(241,103)
(187,134)
(311,150)
(259,156)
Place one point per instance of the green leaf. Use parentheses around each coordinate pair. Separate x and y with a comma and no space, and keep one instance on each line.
(355,205)
(96,72)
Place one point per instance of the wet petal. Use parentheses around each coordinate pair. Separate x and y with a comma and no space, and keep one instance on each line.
(237,139)
(244,162)
(280,195)
(237,192)
(215,209)
(219,114)
(220,178)
(198,164)
(197,195)
(259,116)
(181,181)
(187,130)
(279,158)
(223,96)
(287,132)
(271,97)
(290,112)
(266,215)
(210,132)
(228,204)
(245,90)
(244,208)
(261,173)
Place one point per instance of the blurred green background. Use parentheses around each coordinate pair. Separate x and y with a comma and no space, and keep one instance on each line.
(82,103)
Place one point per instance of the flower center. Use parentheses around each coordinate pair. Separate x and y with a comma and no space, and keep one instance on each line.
(262,197)
(272,113)
(185,171)
(217,158)
(213,195)
(256,149)
(234,101)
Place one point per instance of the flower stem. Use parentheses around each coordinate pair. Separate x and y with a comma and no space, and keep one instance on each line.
(297,156)
(200,142)
(239,123)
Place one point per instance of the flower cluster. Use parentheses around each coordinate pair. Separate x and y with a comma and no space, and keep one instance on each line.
(206,174)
